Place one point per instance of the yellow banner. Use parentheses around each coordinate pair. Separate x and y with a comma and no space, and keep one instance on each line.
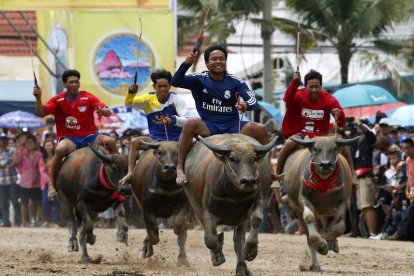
(82,4)
(104,47)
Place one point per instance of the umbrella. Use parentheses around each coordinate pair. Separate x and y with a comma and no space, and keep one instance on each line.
(273,111)
(403,116)
(20,119)
(363,95)
(369,112)
(131,118)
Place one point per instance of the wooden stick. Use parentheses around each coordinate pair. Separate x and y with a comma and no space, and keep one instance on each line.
(297,48)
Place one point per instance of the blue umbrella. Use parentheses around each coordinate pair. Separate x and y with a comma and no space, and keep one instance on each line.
(363,95)
(20,119)
(273,111)
(403,116)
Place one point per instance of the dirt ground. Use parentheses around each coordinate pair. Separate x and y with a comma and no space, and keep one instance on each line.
(43,251)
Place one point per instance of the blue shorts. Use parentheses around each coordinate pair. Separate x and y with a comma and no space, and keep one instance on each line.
(221,128)
(81,141)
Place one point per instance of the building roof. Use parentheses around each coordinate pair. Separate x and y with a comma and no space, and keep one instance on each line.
(11,43)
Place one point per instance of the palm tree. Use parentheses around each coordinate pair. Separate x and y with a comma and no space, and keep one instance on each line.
(345,22)
(221,20)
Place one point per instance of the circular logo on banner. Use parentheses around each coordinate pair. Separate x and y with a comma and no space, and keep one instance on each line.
(116,59)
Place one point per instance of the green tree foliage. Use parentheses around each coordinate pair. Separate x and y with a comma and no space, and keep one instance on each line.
(343,22)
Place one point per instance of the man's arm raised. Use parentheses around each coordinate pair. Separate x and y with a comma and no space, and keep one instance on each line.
(37,92)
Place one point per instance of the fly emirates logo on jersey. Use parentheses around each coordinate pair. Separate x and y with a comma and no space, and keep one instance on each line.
(217,107)
(312,114)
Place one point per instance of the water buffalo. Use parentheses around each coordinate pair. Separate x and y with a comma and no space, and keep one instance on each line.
(228,177)
(86,185)
(159,196)
(318,182)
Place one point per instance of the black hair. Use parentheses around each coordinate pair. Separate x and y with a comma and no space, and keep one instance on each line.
(313,75)
(50,120)
(212,48)
(408,141)
(160,74)
(70,73)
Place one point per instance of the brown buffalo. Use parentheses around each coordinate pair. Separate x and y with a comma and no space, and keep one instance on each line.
(159,196)
(318,182)
(228,177)
(87,183)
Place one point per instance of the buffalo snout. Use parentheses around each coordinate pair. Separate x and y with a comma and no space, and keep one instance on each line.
(248,183)
(169,168)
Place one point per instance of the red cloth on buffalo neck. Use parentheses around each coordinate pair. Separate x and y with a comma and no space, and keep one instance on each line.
(115,195)
(317,183)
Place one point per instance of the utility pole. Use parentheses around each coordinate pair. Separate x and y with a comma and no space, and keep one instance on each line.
(267,30)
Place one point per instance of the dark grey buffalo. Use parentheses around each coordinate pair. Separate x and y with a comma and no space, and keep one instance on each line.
(159,196)
(86,185)
(318,182)
(228,177)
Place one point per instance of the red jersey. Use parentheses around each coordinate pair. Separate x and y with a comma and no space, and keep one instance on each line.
(73,118)
(308,117)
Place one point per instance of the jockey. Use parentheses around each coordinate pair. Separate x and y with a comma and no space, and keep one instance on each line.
(75,126)
(166,114)
(308,113)
(215,93)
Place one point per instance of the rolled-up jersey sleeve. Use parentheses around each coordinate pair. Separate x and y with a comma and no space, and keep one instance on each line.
(333,102)
(182,80)
(50,106)
(96,103)
(182,111)
(247,95)
(140,101)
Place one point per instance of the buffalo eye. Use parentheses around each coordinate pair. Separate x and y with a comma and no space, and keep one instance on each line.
(255,158)
(114,167)
(231,158)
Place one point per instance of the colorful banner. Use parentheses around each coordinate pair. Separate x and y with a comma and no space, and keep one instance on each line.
(104,47)
(82,4)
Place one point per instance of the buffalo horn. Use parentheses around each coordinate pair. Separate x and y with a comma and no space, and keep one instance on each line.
(103,157)
(342,142)
(304,142)
(219,149)
(152,145)
(263,149)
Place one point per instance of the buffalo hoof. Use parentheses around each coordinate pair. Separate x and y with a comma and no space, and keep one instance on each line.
(334,246)
(250,251)
(91,239)
(73,246)
(217,258)
(182,261)
(319,244)
(147,250)
(242,270)
(122,236)
(313,268)
(88,260)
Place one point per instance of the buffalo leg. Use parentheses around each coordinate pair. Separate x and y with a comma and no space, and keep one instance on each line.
(213,241)
(180,229)
(86,233)
(239,238)
(256,219)
(314,237)
(314,265)
(152,237)
(122,233)
(335,229)
(68,213)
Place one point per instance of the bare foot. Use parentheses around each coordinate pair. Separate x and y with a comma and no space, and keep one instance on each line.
(126,180)
(181,177)
(52,194)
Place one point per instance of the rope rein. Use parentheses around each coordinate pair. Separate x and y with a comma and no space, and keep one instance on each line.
(235,175)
